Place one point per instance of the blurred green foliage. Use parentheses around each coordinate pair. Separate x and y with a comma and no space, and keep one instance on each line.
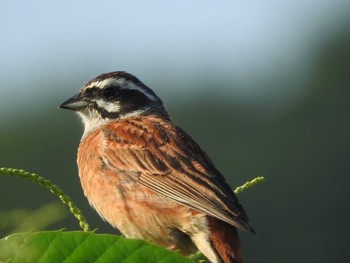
(25,220)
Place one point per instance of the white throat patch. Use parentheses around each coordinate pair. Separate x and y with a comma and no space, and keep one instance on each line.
(92,121)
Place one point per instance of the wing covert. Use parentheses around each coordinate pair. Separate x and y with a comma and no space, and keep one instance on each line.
(164,158)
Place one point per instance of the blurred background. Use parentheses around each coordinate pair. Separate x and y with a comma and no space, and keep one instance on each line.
(264,87)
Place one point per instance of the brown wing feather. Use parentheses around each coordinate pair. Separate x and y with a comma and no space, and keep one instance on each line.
(164,158)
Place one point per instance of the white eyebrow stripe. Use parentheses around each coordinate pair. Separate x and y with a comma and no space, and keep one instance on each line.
(101,84)
(123,84)
(133,86)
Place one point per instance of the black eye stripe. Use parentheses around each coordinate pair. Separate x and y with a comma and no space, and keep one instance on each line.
(90,92)
(109,92)
(93,92)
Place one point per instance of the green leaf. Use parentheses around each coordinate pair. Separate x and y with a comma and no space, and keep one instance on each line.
(78,246)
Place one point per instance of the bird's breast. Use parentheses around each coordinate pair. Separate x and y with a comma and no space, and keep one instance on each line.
(135,210)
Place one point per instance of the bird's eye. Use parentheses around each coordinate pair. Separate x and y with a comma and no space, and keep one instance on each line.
(108,92)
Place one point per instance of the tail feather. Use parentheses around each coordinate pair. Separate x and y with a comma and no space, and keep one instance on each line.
(225,241)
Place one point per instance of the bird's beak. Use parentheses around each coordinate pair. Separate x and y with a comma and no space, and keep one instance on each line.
(74,103)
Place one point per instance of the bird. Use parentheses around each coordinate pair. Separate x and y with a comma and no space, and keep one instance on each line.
(147,177)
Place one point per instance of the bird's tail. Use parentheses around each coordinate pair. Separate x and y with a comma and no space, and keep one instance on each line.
(225,241)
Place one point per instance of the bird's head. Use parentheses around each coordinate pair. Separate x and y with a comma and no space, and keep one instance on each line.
(113,96)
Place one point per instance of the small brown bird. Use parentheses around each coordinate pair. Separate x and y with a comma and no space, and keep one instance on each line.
(149,178)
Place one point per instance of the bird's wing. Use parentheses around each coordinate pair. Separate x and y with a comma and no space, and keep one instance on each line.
(162,157)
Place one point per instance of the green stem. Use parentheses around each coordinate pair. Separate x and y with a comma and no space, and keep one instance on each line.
(249,184)
(53,189)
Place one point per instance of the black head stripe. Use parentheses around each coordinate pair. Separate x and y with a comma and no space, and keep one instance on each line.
(118,94)
(127,81)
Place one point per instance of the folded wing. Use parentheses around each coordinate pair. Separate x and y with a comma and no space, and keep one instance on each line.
(164,158)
